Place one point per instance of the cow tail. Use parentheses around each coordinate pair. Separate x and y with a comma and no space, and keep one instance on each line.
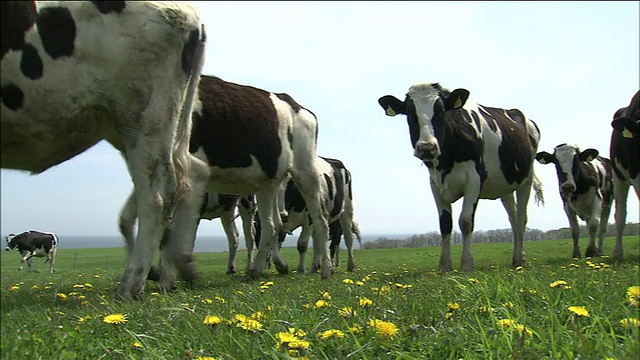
(538,196)
(181,155)
(356,231)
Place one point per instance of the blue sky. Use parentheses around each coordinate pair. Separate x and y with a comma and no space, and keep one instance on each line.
(567,65)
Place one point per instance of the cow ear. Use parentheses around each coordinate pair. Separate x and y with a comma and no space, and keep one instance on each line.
(625,126)
(588,155)
(391,105)
(544,157)
(456,99)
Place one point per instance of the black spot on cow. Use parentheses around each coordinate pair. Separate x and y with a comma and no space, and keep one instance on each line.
(339,196)
(12,97)
(289,100)
(446,223)
(226,129)
(57,29)
(106,7)
(17,18)
(293,199)
(189,51)
(31,63)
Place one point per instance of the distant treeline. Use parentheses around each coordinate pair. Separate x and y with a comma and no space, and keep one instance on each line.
(500,235)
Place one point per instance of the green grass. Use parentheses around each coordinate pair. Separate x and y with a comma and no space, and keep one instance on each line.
(438,316)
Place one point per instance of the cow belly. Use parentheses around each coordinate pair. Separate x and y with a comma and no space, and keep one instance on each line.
(38,253)
(585,205)
(454,184)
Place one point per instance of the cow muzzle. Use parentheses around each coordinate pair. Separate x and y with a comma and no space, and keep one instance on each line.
(427,150)
(567,188)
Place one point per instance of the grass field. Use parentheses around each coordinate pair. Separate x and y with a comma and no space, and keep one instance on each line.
(395,306)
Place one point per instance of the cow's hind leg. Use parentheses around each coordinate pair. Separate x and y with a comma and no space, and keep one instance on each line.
(270,226)
(604,220)
(522,201)
(302,246)
(52,259)
(346,223)
(620,191)
(230,229)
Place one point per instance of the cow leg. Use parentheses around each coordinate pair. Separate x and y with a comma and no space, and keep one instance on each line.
(230,229)
(270,226)
(469,205)
(604,220)
(592,229)
(247,216)
(308,182)
(446,226)
(509,204)
(52,259)
(178,249)
(346,223)
(620,192)
(522,201)
(575,230)
(303,244)
(127,219)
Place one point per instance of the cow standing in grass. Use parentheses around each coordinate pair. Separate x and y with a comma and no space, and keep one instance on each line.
(472,152)
(35,243)
(78,72)
(248,141)
(625,159)
(586,189)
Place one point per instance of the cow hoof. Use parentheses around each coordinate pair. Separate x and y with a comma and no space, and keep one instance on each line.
(251,275)
(590,253)
(301,270)
(126,294)
(154,274)
(351,268)
(282,268)
(230,272)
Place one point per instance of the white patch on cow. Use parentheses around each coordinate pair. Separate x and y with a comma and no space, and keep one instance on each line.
(565,155)
(424,96)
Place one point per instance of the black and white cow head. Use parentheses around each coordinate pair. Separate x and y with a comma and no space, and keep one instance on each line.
(10,243)
(424,106)
(567,158)
(627,120)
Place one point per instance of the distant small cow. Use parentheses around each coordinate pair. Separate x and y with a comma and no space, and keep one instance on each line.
(625,159)
(338,198)
(586,189)
(472,152)
(34,243)
(214,206)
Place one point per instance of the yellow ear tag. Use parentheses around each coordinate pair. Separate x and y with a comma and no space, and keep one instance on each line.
(390,111)
(543,161)
(458,103)
(625,133)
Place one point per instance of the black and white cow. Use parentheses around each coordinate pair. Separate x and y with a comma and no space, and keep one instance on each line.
(248,141)
(335,235)
(34,243)
(214,206)
(338,198)
(625,159)
(78,72)
(586,189)
(472,152)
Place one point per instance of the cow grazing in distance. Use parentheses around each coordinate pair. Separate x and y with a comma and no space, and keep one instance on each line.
(586,189)
(338,198)
(624,152)
(34,243)
(214,206)
(247,141)
(472,152)
(78,72)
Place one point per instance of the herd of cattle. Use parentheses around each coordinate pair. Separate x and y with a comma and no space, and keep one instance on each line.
(198,147)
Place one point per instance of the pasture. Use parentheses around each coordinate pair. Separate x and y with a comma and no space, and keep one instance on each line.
(394,306)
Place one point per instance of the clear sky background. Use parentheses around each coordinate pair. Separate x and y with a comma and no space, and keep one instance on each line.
(567,65)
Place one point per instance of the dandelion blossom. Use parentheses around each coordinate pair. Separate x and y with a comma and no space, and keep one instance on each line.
(355,329)
(347,312)
(384,328)
(505,323)
(115,319)
(633,295)
(453,306)
(347,281)
(291,341)
(207,301)
(321,303)
(579,310)
(557,283)
(61,296)
(629,323)
(14,288)
(330,333)
(136,345)
(212,320)
(364,302)
(326,295)
(250,325)
(523,330)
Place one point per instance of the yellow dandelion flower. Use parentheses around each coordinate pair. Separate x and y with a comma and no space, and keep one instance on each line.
(268,283)
(326,295)
(518,268)
(35,287)
(505,323)
(364,302)
(384,328)
(14,288)
(347,312)
(61,296)
(306,306)
(205,358)
(78,286)
(212,320)
(629,323)
(88,286)
(96,276)
(220,300)
(359,283)
(453,306)
(321,304)
(84,303)
(347,281)
(250,325)
(298,333)
(330,333)
(508,305)
(448,315)
(474,281)
(115,319)
(557,283)
(633,295)
(579,310)
(258,315)
(290,341)
(207,301)
(136,345)
(73,293)
(523,330)
(155,294)
(355,329)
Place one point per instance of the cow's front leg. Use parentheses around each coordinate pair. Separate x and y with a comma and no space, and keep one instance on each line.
(303,245)
(575,230)
(446,226)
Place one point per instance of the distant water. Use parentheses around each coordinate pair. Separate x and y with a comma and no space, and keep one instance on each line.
(203,243)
